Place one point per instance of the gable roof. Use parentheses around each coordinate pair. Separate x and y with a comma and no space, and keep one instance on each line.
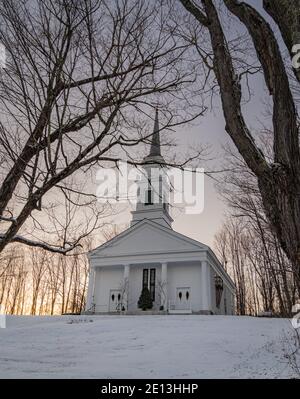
(147,236)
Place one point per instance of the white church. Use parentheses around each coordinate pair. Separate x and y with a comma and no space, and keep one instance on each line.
(181,274)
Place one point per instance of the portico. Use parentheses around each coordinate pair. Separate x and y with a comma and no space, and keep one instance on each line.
(180,279)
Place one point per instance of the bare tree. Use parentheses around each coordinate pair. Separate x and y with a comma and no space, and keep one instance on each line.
(278,178)
(40,282)
(39,267)
(261,269)
(80,80)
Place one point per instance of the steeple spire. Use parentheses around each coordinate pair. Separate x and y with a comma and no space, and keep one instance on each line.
(153,189)
(155,142)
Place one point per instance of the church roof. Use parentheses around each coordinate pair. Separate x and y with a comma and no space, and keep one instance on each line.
(171,233)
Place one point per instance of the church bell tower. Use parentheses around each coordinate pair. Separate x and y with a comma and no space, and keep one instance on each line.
(153,188)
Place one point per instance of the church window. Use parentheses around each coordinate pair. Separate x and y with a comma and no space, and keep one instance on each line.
(113,297)
(152,284)
(149,281)
(145,278)
(180,295)
(187,294)
(119,297)
(148,197)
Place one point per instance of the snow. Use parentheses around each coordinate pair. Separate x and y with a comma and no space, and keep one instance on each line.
(178,346)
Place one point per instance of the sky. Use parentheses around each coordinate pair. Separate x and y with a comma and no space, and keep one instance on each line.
(202,227)
(209,130)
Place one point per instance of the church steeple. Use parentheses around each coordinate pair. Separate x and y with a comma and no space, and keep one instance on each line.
(155,143)
(155,151)
(154,187)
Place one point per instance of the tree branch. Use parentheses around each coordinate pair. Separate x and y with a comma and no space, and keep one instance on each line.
(230,89)
(286,14)
(40,244)
(194,10)
(286,140)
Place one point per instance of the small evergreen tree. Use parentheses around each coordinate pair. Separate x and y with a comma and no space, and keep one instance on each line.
(145,300)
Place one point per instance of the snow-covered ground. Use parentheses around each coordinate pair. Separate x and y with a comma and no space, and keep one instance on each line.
(144,347)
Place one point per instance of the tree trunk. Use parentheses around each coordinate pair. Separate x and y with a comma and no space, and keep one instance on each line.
(278,183)
(286,14)
(281,198)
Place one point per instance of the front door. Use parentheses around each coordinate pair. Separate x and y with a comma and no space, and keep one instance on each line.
(183,298)
(114,300)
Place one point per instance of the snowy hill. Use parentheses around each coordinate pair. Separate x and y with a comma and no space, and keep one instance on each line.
(144,347)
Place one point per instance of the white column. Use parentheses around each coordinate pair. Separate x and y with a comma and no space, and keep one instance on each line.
(209,287)
(205,288)
(126,285)
(164,285)
(91,289)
